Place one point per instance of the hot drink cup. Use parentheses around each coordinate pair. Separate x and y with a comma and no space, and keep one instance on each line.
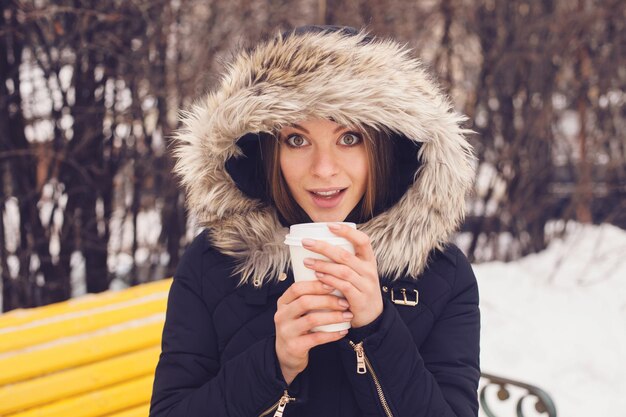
(317,231)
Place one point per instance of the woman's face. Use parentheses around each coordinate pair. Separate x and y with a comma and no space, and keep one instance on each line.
(325,167)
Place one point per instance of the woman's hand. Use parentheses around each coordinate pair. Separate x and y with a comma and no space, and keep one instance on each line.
(294,320)
(356,276)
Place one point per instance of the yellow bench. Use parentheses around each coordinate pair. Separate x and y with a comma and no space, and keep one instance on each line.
(90,356)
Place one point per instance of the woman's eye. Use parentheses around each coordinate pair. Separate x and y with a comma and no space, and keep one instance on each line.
(350,139)
(295,141)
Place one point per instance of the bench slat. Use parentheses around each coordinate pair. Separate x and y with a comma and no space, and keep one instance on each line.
(87,301)
(28,334)
(73,351)
(97,403)
(77,381)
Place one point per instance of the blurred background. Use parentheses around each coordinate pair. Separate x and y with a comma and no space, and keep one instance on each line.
(90,92)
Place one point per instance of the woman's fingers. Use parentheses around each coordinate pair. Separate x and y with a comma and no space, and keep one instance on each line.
(343,272)
(334,253)
(300,288)
(360,241)
(306,309)
(311,340)
(307,322)
(303,343)
(299,331)
(296,316)
(303,310)
(338,255)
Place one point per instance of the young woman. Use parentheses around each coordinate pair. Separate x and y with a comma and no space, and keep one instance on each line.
(322,124)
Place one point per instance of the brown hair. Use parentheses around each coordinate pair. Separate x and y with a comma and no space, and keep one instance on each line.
(378,148)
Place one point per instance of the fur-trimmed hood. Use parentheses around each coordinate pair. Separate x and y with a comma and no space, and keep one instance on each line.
(357,81)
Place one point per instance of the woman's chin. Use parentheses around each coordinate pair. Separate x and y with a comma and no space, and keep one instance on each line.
(335,216)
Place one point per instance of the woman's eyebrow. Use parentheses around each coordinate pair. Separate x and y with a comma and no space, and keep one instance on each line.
(300,127)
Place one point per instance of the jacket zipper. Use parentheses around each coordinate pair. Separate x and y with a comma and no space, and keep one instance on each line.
(279,406)
(362,365)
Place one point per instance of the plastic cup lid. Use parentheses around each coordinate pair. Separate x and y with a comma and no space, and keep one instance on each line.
(318,231)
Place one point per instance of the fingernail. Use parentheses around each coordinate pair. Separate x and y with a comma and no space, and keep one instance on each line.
(308,261)
(334,226)
(327,287)
(308,242)
(347,315)
(344,303)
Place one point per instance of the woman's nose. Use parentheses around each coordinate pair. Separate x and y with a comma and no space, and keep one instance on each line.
(324,164)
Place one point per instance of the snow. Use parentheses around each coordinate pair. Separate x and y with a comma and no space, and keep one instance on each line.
(557,320)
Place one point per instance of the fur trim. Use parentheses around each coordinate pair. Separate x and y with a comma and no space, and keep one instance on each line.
(357,83)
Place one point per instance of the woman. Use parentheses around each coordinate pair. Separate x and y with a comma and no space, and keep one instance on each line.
(322,124)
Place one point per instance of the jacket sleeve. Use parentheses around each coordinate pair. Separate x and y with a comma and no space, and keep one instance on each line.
(189,380)
(440,379)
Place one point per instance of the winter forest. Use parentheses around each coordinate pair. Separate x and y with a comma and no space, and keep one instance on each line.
(90,91)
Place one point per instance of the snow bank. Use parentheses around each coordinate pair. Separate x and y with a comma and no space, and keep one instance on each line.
(557,319)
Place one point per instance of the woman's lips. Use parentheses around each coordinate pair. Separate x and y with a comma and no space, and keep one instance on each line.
(327,202)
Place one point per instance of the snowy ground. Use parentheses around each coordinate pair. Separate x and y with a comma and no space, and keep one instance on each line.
(557,319)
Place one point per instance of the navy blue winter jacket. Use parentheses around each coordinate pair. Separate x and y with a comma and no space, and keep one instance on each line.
(219,359)
(420,357)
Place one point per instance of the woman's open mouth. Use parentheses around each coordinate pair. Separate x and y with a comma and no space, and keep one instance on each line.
(327,199)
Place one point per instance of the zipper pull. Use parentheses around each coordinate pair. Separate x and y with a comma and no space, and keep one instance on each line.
(283,403)
(360,358)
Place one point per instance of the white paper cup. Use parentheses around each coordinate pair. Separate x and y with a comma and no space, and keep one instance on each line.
(317,231)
